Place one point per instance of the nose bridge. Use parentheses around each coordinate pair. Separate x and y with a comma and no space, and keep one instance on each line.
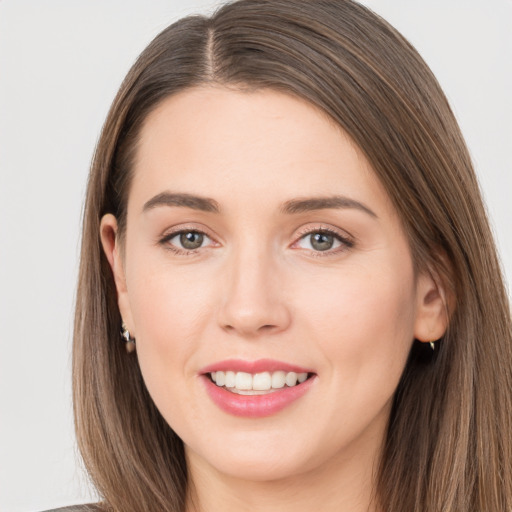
(252,302)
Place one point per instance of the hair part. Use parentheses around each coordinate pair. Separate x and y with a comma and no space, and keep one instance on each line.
(448,446)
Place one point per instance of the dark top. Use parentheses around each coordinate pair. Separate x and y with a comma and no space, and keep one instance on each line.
(78,508)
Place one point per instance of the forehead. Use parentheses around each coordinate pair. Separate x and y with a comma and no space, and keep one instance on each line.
(264,144)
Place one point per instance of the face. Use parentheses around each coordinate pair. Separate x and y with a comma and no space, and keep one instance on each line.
(262,253)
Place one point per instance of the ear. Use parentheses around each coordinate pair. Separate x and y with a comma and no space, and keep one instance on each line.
(111,247)
(432,314)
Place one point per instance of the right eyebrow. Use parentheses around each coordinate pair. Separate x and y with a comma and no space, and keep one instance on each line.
(204,204)
(325,203)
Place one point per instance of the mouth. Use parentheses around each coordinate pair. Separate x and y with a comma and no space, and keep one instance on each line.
(256,389)
(243,383)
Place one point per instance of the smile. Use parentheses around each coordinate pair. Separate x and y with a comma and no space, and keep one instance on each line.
(245,383)
(256,389)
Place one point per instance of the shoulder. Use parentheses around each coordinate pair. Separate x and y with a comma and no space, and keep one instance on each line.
(78,508)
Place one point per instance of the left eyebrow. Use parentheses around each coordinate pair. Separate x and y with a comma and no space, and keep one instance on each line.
(324,203)
(204,204)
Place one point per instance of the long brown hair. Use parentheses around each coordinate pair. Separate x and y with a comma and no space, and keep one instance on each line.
(449,440)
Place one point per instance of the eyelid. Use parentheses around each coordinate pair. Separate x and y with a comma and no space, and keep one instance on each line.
(170,233)
(347,240)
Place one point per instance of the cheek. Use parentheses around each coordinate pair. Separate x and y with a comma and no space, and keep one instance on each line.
(169,313)
(167,299)
(169,316)
(361,298)
(363,323)
(170,309)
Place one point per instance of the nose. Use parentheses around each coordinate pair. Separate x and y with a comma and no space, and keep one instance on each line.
(253,301)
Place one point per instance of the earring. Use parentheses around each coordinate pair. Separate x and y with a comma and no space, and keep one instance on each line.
(432,345)
(129,341)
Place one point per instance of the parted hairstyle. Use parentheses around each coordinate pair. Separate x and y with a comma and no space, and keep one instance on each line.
(448,446)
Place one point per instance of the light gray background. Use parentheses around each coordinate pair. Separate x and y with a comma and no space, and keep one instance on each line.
(61,63)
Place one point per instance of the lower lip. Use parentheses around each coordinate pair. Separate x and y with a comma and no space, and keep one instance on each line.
(256,406)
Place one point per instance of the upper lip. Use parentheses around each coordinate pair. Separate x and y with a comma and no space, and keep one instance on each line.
(258,366)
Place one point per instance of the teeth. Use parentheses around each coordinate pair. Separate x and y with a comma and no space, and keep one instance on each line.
(230,380)
(220,378)
(262,381)
(278,380)
(291,379)
(243,382)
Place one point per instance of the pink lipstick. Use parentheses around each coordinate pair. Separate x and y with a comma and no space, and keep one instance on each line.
(255,389)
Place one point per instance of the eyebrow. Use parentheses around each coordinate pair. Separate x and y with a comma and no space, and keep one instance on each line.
(291,207)
(324,203)
(204,204)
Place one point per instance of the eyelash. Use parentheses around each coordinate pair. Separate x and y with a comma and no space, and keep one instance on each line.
(176,250)
(345,242)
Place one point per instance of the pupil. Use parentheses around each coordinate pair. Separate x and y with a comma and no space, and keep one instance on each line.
(191,240)
(321,241)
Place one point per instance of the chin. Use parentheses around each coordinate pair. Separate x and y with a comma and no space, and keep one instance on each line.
(254,459)
(260,469)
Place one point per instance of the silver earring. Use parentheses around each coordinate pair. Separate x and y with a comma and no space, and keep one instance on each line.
(127,337)
(432,345)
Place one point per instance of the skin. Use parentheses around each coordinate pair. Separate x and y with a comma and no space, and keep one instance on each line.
(258,288)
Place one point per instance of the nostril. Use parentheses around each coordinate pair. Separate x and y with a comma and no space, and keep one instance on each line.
(248,329)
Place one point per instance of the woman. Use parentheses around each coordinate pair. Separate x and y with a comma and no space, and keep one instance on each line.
(283,223)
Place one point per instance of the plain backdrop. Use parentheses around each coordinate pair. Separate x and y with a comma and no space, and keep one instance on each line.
(61,63)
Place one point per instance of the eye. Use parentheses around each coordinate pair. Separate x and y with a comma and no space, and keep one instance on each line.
(186,240)
(190,239)
(323,240)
